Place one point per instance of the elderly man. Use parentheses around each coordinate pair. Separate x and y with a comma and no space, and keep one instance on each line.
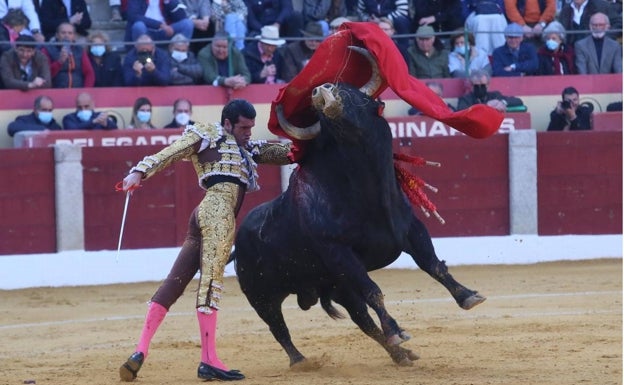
(86,118)
(146,64)
(223,66)
(598,53)
(262,57)
(480,80)
(515,57)
(426,59)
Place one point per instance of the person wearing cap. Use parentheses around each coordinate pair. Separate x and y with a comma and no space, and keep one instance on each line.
(223,64)
(25,67)
(531,15)
(263,58)
(428,59)
(555,56)
(516,57)
(297,54)
(322,11)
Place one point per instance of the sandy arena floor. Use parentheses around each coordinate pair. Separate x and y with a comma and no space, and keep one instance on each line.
(545,324)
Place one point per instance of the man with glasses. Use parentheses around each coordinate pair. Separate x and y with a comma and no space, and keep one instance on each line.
(598,53)
(515,57)
(25,67)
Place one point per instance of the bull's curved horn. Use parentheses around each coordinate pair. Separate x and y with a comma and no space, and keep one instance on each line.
(375,81)
(306,133)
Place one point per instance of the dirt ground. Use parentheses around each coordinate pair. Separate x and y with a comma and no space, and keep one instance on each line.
(544,324)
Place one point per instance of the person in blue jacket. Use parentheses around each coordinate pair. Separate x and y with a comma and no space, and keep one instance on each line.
(86,118)
(146,64)
(40,119)
(515,57)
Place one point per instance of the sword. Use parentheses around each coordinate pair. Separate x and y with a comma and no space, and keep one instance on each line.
(119,187)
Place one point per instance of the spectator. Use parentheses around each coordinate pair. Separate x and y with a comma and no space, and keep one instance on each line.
(159,19)
(337,22)
(116,13)
(262,57)
(298,53)
(278,13)
(106,63)
(146,64)
(231,16)
(395,10)
(575,16)
(25,67)
(185,68)
(460,52)
(141,114)
(598,53)
(480,95)
(438,89)
(40,119)
(555,56)
(53,13)
(182,111)
(386,25)
(199,12)
(11,25)
(428,59)
(569,114)
(487,22)
(223,66)
(70,66)
(85,117)
(322,11)
(30,11)
(442,16)
(531,15)
(515,57)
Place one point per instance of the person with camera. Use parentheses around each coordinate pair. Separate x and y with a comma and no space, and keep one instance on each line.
(70,66)
(146,65)
(569,114)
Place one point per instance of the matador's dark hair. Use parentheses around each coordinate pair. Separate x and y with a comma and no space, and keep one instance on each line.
(236,108)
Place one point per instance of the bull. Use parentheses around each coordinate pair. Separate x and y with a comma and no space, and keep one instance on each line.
(342,215)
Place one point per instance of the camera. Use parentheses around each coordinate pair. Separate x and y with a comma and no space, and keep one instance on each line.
(144,57)
(566,104)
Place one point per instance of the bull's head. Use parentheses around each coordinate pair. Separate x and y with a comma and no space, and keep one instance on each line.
(325,99)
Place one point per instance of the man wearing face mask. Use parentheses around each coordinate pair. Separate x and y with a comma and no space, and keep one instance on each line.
(598,53)
(85,118)
(185,68)
(182,111)
(146,64)
(480,80)
(106,63)
(569,114)
(40,119)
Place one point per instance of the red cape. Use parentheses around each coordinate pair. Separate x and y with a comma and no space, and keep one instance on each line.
(333,62)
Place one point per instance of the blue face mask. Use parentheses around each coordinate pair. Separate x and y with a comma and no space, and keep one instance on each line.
(44,117)
(460,49)
(144,116)
(84,115)
(97,50)
(552,44)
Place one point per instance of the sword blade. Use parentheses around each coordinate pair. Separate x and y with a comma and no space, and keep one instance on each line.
(123,222)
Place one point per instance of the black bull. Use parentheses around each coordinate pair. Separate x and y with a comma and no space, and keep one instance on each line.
(343,215)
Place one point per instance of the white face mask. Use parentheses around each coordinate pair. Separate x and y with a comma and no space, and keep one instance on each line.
(182,118)
(179,55)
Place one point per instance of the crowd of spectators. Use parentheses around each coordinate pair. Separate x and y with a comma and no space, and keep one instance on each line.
(233,43)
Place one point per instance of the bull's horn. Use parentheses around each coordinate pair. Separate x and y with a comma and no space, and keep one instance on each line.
(374,83)
(296,132)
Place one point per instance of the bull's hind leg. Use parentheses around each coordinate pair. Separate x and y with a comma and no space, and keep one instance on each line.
(422,251)
(359,315)
(271,313)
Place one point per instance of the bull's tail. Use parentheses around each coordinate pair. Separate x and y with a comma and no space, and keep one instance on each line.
(329,308)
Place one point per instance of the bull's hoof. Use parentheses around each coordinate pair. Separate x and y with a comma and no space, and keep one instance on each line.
(412,356)
(472,301)
(405,362)
(398,339)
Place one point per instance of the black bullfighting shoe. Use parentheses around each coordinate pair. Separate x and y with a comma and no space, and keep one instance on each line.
(210,373)
(128,371)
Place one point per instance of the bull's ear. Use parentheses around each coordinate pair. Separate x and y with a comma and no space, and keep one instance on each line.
(380,108)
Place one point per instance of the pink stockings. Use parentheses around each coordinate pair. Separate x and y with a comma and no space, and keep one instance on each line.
(154,317)
(208,329)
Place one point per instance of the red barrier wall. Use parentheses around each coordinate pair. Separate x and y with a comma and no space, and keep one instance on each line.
(579,182)
(27,213)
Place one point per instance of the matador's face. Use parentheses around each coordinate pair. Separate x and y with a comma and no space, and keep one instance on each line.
(241,130)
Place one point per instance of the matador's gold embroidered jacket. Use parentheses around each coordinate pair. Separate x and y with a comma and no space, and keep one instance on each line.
(235,161)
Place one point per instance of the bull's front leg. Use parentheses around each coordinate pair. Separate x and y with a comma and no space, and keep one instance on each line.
(421,249)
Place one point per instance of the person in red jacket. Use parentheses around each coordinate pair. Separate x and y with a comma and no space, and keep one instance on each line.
(70,66)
